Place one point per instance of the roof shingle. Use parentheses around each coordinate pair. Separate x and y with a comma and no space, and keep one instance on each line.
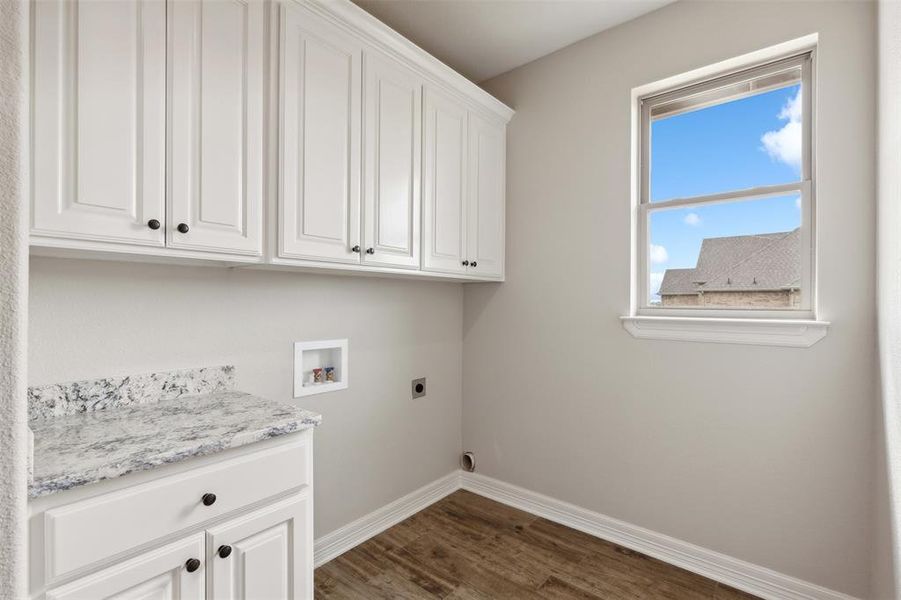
(741,263)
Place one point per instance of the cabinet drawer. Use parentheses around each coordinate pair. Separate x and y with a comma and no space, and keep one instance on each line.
(79,534)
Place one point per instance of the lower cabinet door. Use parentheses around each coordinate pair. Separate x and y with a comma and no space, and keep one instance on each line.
(265,555)
(174,572)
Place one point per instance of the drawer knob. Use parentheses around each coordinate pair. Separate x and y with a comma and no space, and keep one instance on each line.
(224,550)
(355,249)
(473,263)
(209,499)
(370,250)
(465,263)
(192,565)
(182,228)
(153,224)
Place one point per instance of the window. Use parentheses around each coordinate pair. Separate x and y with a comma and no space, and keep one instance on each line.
(726,206)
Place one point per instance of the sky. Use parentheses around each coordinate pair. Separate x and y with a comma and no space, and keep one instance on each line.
(746,143)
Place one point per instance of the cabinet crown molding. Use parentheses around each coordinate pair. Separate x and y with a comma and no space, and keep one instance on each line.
(348,15)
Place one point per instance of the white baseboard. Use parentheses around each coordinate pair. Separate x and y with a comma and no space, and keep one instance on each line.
(739,574)
(341,540)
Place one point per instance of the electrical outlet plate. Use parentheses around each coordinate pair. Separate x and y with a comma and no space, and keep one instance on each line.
(418,387)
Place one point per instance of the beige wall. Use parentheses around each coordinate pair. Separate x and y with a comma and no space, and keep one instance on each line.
(762,453)
(90,319)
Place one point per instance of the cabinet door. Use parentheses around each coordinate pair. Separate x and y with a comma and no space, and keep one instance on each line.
(99,97)
(320,93)
(216,123)
(444,189)
(485,214)
(392,121)
(160,574)
(267,554)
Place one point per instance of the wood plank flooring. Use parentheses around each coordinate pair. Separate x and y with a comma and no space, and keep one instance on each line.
(466,547)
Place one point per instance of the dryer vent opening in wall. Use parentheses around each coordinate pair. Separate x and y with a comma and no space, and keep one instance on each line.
(468,462)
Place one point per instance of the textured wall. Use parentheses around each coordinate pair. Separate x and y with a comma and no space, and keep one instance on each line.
(887,504)
(765,454)
(375,444)
(13,294)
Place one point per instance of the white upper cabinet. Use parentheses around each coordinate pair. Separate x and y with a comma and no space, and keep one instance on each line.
(319,164)
(265,554)
(290,132)
(485,212)
(392,121)
(98,137)
(444,189)
(216,124)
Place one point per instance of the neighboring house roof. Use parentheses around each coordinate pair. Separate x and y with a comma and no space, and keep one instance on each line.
(741,263)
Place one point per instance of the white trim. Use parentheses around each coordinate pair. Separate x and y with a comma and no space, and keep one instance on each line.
(793,333)
(739,574)
(343,539)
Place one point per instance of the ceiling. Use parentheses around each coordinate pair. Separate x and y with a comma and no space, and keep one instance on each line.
(484,38)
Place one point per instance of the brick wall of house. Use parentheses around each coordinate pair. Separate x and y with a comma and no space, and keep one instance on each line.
(773,299)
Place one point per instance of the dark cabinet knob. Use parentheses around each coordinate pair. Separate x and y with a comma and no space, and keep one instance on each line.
(153,224)
(473,264)
(465,263)
(370,250)
(355,249)
(224,550)
(182,228)
(208,499)
(192,565)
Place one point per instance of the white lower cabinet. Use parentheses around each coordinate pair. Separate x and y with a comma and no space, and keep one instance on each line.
(265,555)
(242,525)
(173,572)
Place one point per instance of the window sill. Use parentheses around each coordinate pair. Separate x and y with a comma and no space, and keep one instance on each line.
(757,332)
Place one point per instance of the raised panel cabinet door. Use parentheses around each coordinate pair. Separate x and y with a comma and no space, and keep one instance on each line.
(216,123)
(161,574)
(267,554)
(444,183)
(99,110)
(392,122)
(485,215)
(319,154)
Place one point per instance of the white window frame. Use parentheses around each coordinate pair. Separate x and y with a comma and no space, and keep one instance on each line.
(713,90)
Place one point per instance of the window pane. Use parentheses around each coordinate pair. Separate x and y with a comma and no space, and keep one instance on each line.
(743,254)
(745,143)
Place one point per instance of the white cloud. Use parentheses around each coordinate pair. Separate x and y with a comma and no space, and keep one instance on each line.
(693,219)
(784,144)
(655,281)
(798,202)
(658,254)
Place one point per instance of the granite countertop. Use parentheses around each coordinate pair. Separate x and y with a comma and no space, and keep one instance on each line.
(108,439)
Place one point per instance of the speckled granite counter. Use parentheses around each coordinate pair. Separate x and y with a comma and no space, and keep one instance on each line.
(116,438)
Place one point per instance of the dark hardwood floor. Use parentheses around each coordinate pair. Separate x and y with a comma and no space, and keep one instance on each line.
(468,547)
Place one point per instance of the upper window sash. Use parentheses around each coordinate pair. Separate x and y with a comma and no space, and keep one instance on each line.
(782,73)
